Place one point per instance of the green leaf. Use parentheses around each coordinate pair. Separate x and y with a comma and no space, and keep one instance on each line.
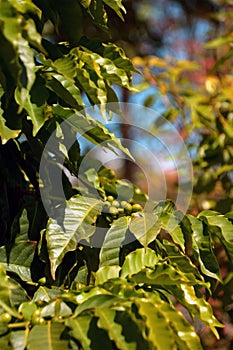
(65,89)
(22,253)
(106,320)
(221,227)
(56,308)
(26,56)
(94,88)
(82,276)
(184,334)
(27,309)
(46,294)
(35,112)
(91,129)
(137,260)
(165,275)
(198,307)
(219,41)
(47,337)
(18,340)
(180,261)
(159,331)
(5,293)
(110,251)
(80,327)
(105,68)
(26,6)
(167,326)
(5,340)
(96,10)
(80,214)
(202,246)
(97,301)
(171,224)
(116,5)
(18,294)
(145,228)
(118,57)
(105,273)
(5,133)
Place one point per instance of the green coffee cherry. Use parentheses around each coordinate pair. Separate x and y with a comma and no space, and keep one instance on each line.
(128,208)
(111,174)
(36,318)
(115,204)
(113,211)
(136,207)
(110,198)
(124,204)
(42,281)
(5,317)
(36,313)
(121,211)
(137,191)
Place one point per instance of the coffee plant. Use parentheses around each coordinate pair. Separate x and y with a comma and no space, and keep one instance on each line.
(91,271)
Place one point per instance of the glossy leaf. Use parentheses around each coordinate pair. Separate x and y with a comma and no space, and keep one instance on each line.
(159,332)
(165,275)
(35,112)
(110,250)
(79,216)
(165,325)
(27,309)
(198,307)
(79,330)
(18,339)
(171,224)
(46,294)
(97,13)
(22,253)
(65,89)
(105,273)
(56,308)
(221,227)
(116,5)
(97,301)
(201,244)
(91,129)
(106,320)
(5,133)
(137,261)
(5,293)
(47,337)
(145,228)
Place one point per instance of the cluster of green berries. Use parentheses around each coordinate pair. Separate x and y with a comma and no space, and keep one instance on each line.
(114,208)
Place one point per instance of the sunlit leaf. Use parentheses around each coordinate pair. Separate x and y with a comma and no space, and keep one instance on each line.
(110,250)
(201,244)
(5,133)
(80,327)
(80,214)
(145,228)
(47,337)
(22,253)
(137,260)
(106,320)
